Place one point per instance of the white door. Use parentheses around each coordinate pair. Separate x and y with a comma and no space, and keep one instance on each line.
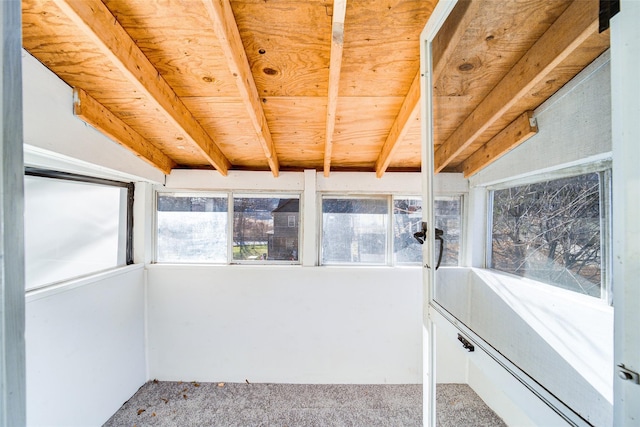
(625,97)
(438,16)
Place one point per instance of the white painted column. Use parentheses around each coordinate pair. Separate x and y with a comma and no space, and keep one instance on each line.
(625,97)
(12,344)
(475,229)
(143,230)
(310,220)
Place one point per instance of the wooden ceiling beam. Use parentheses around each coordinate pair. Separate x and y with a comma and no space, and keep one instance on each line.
(451,33)
(96,21)
(97,115)
(335,66)
(409,111)
(566,34)
(226,29)
(518,131)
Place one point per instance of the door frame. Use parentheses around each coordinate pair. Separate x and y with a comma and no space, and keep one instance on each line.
(437,18)
(625,99)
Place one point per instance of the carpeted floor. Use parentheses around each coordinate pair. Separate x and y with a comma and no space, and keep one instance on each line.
(458,405)
(210,404)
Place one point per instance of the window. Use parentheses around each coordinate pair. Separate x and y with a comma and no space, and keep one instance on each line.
(262,230)
(407,219)
(191,228)
(195,228)
(361,230)
(448,214)
(552,232)
(354,230)
(74,226)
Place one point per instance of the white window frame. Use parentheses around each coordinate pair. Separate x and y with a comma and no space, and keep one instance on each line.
(395,197)
(389,251)
(124,255)
(213,194)
(603,168)
(265,195)
(463,224)
(230,195)
(389,231)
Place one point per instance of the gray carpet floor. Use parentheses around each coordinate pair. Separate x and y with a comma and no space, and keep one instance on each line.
(181,404)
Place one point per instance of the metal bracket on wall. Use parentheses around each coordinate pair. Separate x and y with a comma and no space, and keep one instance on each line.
(628,375)
(465,343)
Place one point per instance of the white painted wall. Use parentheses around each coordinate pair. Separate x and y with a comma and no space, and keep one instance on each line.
(85,348)
(285,324)
(85,339)
(299,324)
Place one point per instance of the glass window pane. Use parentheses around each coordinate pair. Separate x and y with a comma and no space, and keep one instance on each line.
(265,228)
(550,231)
(354,230)
(447,214)
(72,229)
(407,220)
(192,228)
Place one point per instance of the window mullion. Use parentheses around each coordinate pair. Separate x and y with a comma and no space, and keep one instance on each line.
(230,227)
(390,234)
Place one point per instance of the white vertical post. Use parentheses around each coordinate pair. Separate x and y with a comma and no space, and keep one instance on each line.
(437,18)
(310,222)
(12,318)
(476,228)
(143,227)
(625,97)
(428,258)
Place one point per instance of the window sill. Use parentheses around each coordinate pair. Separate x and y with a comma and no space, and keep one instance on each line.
(542,289)
(67,285)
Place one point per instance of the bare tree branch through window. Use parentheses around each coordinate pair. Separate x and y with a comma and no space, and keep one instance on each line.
(550,231)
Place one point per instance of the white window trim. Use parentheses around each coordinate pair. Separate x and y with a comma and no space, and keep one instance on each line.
(602,165)
(391,197)
(229,194)
(261,194)
(126,231)
(352,196)
(462,247)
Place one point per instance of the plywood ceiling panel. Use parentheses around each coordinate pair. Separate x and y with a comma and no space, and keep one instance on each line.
(408,155)
(179,40)
(287,44)
(245,83)
(381,53)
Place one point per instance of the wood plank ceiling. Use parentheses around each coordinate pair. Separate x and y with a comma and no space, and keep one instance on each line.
(310,84)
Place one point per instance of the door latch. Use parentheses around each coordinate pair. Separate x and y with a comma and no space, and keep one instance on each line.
(627,374)
(421,235)
(465,343)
